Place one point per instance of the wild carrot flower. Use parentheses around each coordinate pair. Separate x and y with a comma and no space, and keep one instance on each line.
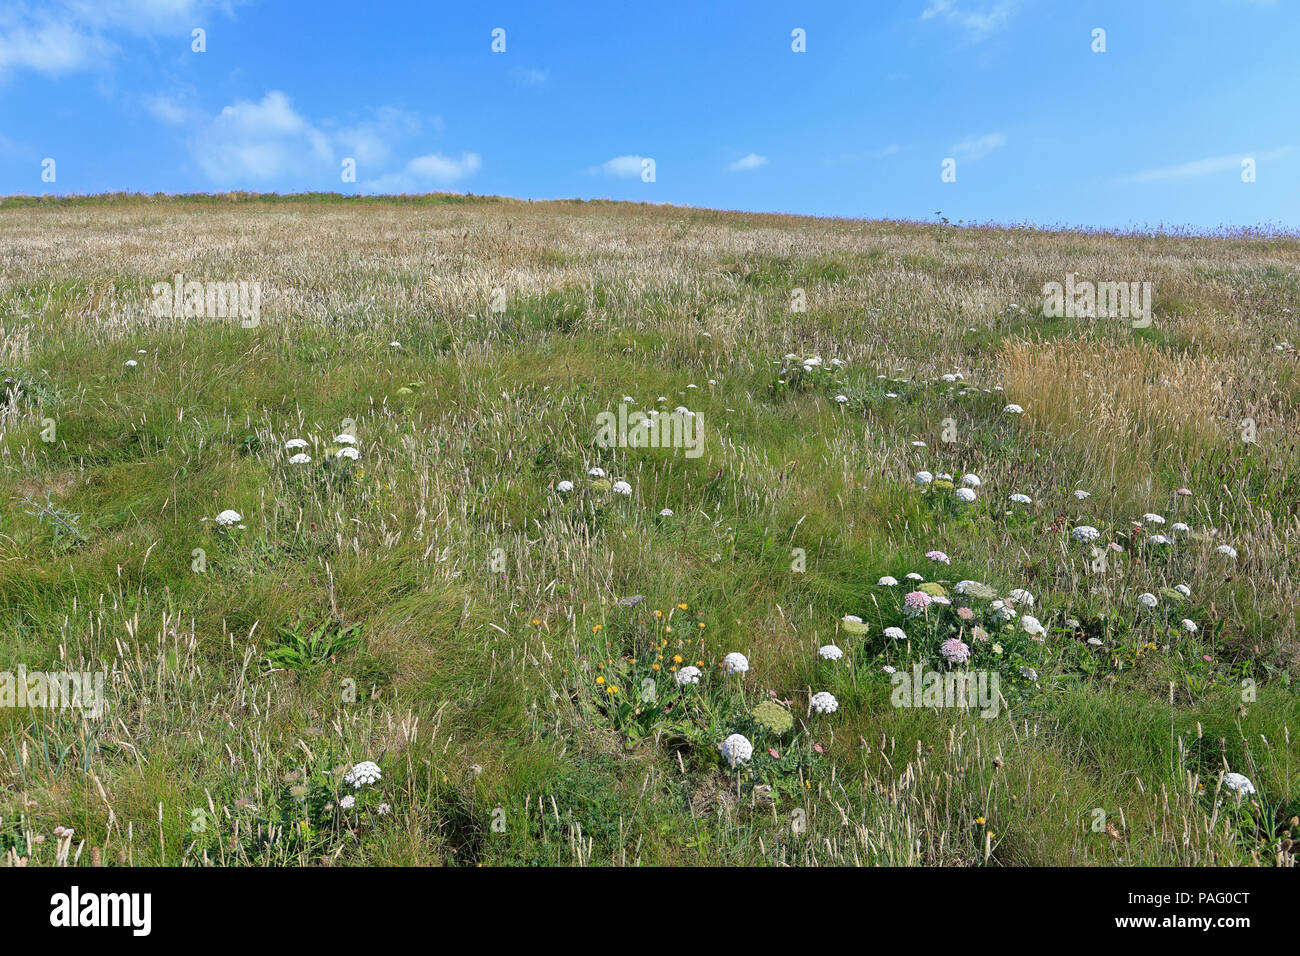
(954,651)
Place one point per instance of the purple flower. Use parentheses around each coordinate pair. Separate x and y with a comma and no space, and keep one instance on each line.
(954,651)
(915,602)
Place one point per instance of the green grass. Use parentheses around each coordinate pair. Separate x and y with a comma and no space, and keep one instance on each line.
(439,607)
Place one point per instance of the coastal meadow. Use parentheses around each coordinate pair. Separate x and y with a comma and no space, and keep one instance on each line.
(456,530)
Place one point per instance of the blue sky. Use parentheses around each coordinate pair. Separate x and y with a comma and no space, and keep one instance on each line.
(1042,129)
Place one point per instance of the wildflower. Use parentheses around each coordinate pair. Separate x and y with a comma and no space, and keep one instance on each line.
(851,619)
(923,477)
(596,472)
(1147,599)
(736,749)
(1159,539)
(971,481)
(938,557)
(1238,782)
(1190,626)
(1095,641)
(888,669)
(913,576)
(345,439)
(1028,673)
(1014,409)
(1020,499)
(621,488)
(915,603)
(362,773)
(829,652)
(824,702)
(349,453)
(1184,492)
(1228,550)
(965,494)
(347,801)
(383,809)
(1003,610)
(966,614)
(1021,596)
(302,458)
(294,443)
(1032,626)
(130,363)
(1183,589)
(1081,494)
(666,513)
(954,651)
(688,675)
(228,518)
(887,582)
(564,487)
(842,399)
(1085,533)
(895,633)
(1150,518)
(735,663)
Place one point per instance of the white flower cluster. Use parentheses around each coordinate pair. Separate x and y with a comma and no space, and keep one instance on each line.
(367,771)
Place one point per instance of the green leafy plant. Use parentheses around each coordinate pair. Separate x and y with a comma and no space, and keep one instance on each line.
(299,648)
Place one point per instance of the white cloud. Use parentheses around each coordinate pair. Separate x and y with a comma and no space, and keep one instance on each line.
(261,141)
(168,109)
(424,172)
(269,141)
(752,161)
(50,47)
(625,167)
(371,141)
(63,36)
(1203,167)
(975,23)
(977,147)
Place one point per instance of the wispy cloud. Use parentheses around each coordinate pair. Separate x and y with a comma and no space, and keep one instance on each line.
(751,161)
(977,147)
(1203,167)
(424,173)
(526,76)
(975,23)
(624,167)
(64,36)
(269,141)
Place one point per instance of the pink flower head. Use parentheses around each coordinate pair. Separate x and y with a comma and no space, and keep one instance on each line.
(1185,492)
(915,602)
(965,613)
(954,651)
(938,556)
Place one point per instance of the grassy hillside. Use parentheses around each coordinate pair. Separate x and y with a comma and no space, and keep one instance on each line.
(508,653)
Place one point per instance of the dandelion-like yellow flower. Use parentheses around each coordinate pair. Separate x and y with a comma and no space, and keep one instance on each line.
(595,628)
(677,658)
(654,667)
(980,821)
(659,613)
(600,680)
(681,607)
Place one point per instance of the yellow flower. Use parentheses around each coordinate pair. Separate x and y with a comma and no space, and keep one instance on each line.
(536,622)
(980,821)
(701,624)
(600,680)
(654,667)
(596,627)
(681,607)
(613,690)
(659,613)
(677,658)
